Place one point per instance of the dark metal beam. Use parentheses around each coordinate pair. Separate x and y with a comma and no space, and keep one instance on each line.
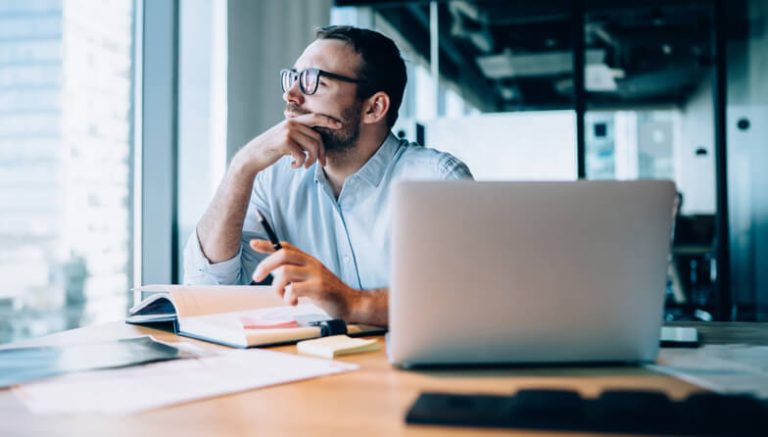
(579,91)
(719,93)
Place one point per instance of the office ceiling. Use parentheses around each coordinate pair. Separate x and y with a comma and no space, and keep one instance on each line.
(518,55)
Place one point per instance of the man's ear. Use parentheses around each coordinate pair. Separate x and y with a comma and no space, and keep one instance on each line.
(375,108)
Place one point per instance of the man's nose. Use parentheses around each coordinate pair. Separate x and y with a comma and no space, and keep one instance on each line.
(294,94)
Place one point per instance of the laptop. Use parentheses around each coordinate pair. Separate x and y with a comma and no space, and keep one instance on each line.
(528,272)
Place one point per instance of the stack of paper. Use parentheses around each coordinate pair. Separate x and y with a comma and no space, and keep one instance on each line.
(134,389)
(723,368)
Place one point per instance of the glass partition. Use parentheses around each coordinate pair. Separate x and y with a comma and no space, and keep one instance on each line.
(649,115)
(490,82)
(747,131)
(650,72)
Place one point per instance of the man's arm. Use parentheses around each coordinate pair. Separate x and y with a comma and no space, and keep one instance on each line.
(298,274)
(370,307)
(221,226)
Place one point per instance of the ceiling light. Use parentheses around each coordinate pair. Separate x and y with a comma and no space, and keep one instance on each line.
(507,64)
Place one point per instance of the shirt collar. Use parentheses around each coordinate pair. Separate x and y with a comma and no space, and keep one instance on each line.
(373,170)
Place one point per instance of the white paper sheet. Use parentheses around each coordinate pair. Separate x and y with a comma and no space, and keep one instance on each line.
(134,389)
(727,369)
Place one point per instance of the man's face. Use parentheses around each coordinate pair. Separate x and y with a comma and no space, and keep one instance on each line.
(335,98)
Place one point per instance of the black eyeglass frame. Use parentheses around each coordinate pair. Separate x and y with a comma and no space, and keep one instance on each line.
(300,76)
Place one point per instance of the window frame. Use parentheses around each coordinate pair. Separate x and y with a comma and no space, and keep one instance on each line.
(155,143)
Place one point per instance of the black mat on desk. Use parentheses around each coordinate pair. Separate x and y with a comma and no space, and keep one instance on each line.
(615,411)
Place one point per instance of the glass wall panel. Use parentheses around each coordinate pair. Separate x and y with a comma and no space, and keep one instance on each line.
(648,84)
(747,131)
(502,98)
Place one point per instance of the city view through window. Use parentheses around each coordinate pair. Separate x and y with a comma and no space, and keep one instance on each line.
(66,111)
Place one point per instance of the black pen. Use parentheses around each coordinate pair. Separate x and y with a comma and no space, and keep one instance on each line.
(270,233)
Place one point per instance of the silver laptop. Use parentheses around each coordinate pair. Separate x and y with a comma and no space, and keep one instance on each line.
(528,272)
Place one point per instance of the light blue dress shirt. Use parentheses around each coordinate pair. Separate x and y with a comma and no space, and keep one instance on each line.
(349,235)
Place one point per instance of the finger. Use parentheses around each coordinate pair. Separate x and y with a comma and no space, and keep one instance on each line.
(261,246)
(292,273)
(279,282)
(309,145)
(314,119)
(290,296)
(321,152)
(306,130)
(314,135)
(285,283)
(297,152)
(275,261)
(316,138)
(302,288)
(290,247)
(296,254)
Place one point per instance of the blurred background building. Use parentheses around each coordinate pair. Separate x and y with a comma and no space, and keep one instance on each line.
(66,69)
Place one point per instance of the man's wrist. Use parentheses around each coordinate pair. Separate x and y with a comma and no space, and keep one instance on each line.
(367,307)
(352,303)
(243,167)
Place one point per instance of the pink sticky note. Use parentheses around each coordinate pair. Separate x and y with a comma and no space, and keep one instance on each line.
(254,323)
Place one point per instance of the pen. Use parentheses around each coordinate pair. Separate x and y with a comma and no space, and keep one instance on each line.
(270,233)
(272,239)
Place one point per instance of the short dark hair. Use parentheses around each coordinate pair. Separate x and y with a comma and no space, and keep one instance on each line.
(382,69)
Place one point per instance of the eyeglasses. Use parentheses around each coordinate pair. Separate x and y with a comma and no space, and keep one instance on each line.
(309,79)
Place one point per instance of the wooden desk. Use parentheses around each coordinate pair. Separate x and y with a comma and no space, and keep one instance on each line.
(370,401)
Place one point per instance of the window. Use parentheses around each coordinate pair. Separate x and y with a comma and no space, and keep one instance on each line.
(65,163)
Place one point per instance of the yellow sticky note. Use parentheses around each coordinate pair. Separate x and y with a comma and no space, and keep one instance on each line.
(335,345)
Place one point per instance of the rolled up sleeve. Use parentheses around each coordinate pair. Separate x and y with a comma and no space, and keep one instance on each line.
(198,270)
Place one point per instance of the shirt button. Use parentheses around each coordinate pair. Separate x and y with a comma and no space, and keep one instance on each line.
(347,259)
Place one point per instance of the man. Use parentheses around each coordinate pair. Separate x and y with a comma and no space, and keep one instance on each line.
(321,178)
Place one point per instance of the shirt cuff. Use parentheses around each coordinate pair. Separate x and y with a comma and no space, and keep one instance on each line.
(198,270)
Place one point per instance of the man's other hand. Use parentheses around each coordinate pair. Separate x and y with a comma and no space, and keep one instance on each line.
(298,274)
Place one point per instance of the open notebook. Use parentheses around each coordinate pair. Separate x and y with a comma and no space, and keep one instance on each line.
(237,316)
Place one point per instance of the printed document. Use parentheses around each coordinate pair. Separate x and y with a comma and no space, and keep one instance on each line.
(134,389)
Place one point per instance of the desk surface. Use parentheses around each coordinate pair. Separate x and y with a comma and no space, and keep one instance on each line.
(372,400)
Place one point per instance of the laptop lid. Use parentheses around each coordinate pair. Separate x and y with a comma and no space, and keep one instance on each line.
(528,272)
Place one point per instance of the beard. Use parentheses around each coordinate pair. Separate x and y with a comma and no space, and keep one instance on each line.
(343,139)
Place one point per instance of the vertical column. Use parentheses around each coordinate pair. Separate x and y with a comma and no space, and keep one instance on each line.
(434,55)
(156,238)
(579,92)
(719,93)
